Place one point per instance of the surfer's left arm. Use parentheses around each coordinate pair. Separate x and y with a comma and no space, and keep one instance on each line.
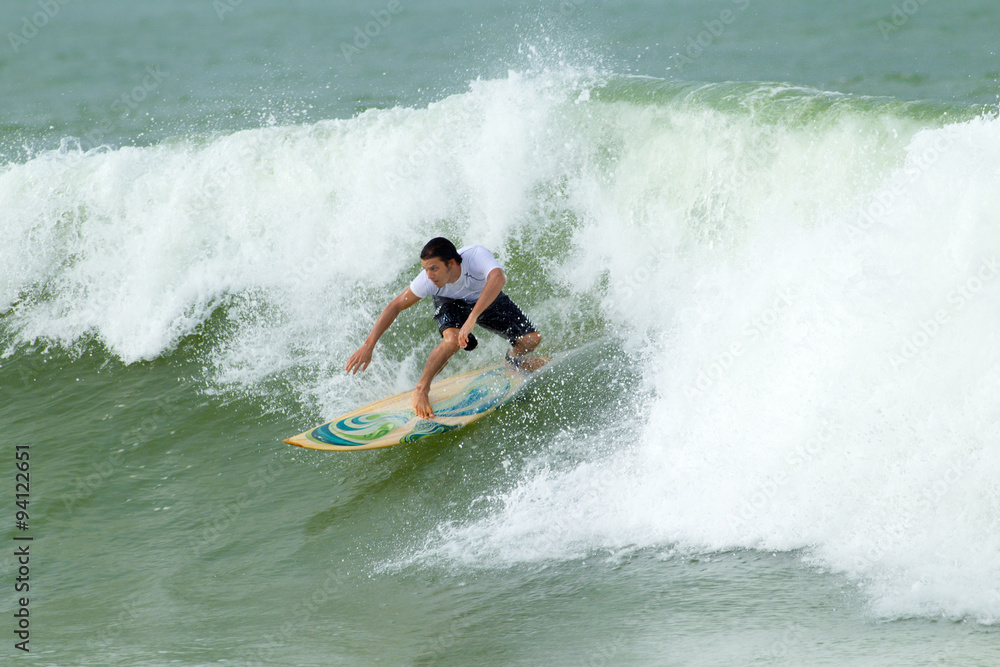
(495,281)
(360,359)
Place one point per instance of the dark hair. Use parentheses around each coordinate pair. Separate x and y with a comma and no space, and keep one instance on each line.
(441,248)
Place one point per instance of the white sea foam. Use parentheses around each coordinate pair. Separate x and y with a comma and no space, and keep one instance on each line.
(811,292)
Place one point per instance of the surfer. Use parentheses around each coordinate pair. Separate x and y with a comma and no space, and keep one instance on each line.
(466,286)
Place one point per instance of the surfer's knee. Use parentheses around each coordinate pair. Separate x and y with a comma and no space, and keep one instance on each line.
(449,338)
(530,341)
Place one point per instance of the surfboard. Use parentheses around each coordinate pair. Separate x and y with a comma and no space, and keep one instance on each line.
(456,401)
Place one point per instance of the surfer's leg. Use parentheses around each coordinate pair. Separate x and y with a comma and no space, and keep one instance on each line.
(504,318)
(437,359)
(452,313)
(518,357)
(525,344)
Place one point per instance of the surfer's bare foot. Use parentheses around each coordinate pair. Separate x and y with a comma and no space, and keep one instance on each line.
(422,404)
(524,364)
(530,364)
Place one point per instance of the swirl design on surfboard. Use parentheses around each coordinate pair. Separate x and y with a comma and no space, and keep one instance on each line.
(482,395)
(361,429)
(426,427)
(487,392)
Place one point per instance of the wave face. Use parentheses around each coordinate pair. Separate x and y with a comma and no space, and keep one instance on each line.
(803,283)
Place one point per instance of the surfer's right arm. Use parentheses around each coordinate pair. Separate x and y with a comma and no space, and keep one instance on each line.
(359,360)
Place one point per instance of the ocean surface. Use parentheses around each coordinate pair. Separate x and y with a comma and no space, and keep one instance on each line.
(761,239)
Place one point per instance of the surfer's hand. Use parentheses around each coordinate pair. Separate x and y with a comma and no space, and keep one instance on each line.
(463,333)
(422,404)
(359,360)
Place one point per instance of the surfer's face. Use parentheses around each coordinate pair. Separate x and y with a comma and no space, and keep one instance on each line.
(440,272)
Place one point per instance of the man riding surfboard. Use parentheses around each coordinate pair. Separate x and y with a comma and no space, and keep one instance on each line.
(466,286)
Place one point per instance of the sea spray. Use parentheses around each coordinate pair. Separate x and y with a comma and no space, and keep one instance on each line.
(693,219)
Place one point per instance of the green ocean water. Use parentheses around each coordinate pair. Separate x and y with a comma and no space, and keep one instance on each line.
(760,240)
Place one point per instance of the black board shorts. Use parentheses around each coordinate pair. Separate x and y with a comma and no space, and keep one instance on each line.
(502,317)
